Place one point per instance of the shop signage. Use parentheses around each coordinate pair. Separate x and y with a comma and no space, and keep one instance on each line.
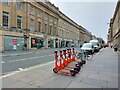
(36,35)
(33,41)
(14,41)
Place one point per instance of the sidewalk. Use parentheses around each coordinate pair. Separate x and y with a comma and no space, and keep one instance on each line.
(101,72)
(20,52)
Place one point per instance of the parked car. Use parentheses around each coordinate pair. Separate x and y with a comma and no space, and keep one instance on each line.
(88,47)
(95,45)
(105,45)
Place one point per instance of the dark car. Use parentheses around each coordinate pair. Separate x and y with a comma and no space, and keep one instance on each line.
(38,45)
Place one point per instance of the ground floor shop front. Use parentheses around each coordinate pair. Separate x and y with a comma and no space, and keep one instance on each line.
(11,40)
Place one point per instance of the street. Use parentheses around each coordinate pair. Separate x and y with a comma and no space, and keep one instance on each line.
(13,62)
(100,72)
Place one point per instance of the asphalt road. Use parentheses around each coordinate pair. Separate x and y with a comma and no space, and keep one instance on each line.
(13,61)
(16,62)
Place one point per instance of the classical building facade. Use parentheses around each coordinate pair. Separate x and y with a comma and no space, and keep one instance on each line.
(38,24)
(114,28)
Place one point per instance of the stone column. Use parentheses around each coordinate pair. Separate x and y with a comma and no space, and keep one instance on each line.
(2,41)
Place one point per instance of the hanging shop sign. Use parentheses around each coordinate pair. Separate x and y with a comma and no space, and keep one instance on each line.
(33,41)
(14,41)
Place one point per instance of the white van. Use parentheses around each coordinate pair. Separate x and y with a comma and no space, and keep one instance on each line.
(95,45)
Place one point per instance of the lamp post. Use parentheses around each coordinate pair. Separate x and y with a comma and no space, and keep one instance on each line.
(26,36)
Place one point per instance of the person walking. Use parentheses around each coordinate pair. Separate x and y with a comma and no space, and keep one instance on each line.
(25,46)
(115,47)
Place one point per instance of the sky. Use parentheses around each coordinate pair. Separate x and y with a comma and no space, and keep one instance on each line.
(92,15)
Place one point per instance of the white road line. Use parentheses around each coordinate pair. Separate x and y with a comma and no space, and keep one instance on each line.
(28,58)
(21,69)
(33,67)
(2,62)
(15,54)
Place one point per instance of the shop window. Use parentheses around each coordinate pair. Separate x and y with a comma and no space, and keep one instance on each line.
(5,19)
(19,5)
(9,42)
(39,26)
(19,22)
(37,43)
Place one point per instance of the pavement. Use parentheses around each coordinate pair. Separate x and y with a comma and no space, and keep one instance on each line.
(100,72)
(19,52)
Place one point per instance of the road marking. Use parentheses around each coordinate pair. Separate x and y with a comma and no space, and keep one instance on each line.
(16,54)
(28,58)
(2,62)
(21,69)
(33,67)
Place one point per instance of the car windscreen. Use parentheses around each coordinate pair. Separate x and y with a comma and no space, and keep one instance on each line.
(94,43)
(86,46)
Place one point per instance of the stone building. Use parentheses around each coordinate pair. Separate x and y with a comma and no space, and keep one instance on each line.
(114,28)
(39,24)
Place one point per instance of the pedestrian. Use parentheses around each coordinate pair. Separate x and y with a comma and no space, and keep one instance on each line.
(111,46)
(25,46)
(115,47)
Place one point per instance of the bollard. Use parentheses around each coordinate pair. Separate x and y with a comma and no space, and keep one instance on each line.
(83,57)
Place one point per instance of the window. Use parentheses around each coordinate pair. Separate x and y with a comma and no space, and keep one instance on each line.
(39,13)
(31,9)
(50,30)
(51,19)
(5,2)
(55,21)
(39,26)
(5,19)
(19,22)
(45,28)
(19,5)
(32,25)
(54,30)
(45,16)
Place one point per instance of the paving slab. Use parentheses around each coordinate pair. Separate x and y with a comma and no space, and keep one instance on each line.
(17,85)
(74,84)
(6,82)
(95,82)
(57,83)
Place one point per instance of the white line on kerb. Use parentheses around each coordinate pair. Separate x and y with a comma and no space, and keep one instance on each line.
(33,67)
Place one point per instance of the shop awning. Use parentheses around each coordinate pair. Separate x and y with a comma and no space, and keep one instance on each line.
(36,35)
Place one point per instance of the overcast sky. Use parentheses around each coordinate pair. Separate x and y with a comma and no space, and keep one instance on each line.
(93,16)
